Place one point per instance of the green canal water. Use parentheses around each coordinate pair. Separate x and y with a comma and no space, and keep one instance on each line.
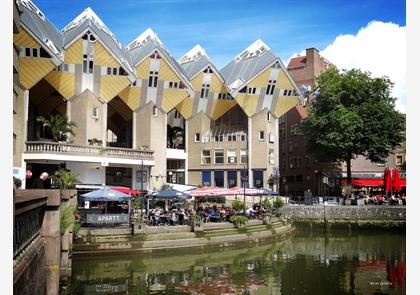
(303,263)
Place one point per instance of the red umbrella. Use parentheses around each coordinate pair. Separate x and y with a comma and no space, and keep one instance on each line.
(387,180)
(396,180)
(125,190)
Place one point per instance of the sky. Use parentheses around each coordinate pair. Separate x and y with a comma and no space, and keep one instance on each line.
(350,33)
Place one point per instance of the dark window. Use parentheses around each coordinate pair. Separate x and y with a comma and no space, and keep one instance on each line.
(92,38)
(114,71)
(35,52)
(153,78)
(85,37)
(258,178)
(90,66)
(243,90)
(285,92)
(43,53)
(206,177)
(122,72)
(109,71)
(27,52)
(197,137)
(219,178)
(232,178)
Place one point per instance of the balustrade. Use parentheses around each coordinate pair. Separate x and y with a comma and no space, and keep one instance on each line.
(57,147)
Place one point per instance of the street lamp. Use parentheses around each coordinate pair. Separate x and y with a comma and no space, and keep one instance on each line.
(244,179)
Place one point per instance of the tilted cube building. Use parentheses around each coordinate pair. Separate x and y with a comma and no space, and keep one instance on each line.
(144,118)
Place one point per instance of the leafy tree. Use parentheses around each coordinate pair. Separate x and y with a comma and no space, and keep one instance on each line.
(238,205)
(353,114)
(58,125)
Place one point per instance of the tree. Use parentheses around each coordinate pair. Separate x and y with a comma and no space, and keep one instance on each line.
(58,125)
(353,114)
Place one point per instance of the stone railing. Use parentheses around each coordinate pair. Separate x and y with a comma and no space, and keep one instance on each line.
(86,150)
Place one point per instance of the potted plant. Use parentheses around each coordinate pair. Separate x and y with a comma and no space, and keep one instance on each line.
(266,203)
(197,223)
(66,179)
(58,124)
(267,217)
(237,204)
(239,220)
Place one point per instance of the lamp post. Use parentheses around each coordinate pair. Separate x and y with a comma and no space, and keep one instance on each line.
(244,179)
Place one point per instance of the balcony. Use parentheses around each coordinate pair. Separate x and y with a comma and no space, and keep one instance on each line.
(66,149)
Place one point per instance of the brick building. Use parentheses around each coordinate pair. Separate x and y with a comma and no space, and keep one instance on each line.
(299,172)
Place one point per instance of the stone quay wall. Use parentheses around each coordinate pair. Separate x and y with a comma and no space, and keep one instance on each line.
(344,213)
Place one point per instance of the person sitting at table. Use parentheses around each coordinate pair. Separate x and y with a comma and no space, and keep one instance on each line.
(173,219)
(181,217)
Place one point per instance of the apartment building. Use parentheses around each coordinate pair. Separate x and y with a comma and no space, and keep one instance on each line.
(143,118)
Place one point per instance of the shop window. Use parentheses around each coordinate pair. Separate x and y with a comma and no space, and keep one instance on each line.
(258,176)
(206,177)
(232,178)
(219,178)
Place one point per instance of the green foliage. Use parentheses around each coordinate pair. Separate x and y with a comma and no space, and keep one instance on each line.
(58,124)
(238,205)
(353,114)
(66,219)
(76,228)
(278,213)
(267,214)
(266,203)
(238,219)
(197,218)
(66,179)
(278,203)
(17,182)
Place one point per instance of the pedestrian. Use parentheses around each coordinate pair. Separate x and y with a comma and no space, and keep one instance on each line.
(41,182)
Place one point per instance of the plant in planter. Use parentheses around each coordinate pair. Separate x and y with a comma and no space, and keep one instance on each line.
(17,182)
(58,124)
(197,223)
(239,220)
(66,179)
(237,204)
(266,203)
(267,217)
(95,141)
(278,203)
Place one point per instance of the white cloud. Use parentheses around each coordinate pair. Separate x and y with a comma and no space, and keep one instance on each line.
(379,48)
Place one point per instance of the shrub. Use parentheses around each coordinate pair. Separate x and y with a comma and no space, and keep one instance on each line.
(17,182)
(267,214)
(238,219)
(238,205)
(266,203)
(66,219)
(278,203)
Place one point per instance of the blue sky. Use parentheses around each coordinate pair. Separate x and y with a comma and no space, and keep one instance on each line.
(225,28)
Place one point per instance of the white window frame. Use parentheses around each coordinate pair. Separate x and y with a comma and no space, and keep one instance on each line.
(261,138)
(396,159)
(216,157)
(268,117)
(234,157)
(95,113)
(154,111)
(197,137)
(270,87)
(271,159)
(153,79)
(204,93)
(271,138)
(230,137)
(244,153)
(205,157)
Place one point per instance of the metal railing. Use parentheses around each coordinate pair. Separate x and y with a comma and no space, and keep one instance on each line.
(88,150)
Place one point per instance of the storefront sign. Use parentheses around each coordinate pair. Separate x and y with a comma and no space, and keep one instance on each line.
(105,288)
(107,218)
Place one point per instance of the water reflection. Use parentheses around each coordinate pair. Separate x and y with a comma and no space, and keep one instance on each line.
(302,264)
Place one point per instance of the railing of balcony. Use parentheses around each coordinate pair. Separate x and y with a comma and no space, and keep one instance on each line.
(66,148)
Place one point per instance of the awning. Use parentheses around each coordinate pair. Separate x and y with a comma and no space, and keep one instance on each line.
(368,182)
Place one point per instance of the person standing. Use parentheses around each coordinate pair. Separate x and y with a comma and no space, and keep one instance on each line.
(41,182)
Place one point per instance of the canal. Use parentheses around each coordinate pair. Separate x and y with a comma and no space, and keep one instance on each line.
(304,263)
